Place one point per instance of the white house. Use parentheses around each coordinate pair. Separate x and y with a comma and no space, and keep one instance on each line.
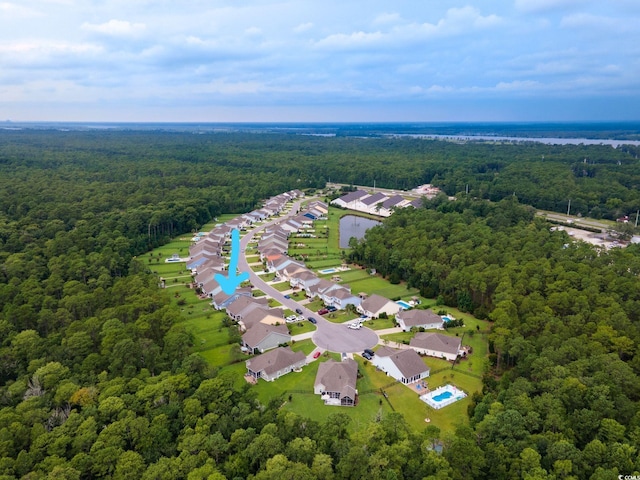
(436,345)
(406,366)
(426,319)
(374,305)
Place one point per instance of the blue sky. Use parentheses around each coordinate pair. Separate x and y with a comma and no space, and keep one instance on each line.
(329,60)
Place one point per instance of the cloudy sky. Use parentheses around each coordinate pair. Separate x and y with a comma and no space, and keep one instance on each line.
(329,60)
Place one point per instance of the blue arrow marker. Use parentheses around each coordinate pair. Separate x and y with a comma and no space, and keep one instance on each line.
(231,282)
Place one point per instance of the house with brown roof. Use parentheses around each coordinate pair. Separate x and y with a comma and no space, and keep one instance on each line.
(273,364)
(406,366)
(303,278)
(242,306)
(336,382)
(262,337)
(268,316)
(436,345)
(427,319)
(374,305)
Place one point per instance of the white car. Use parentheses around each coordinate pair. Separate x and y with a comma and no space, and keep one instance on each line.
(355,326)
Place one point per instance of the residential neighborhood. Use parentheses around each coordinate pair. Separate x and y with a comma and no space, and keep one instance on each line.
(264,331)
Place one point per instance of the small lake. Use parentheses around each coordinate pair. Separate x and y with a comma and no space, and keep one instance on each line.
(354,226)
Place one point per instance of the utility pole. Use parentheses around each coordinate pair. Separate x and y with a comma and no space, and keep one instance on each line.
(569,208)
(637,213)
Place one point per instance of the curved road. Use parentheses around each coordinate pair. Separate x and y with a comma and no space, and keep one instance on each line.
(335,337)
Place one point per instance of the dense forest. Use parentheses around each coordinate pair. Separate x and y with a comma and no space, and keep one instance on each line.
(96,375)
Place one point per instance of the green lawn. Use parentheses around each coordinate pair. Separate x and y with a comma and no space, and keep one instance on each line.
(306,346)
(281,286)
(316,305)
(301,327)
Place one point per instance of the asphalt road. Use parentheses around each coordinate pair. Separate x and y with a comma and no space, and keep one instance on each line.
(334,337)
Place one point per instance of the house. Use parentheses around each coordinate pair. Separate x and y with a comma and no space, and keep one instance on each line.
(303,278)
(436,345)
(397,201)
(336,382)
(274,364)
(417,203)
(408,319)
(406,366)
(261,337)
(281,263)
(340,298)
(267,316)
(347,200)
(374,305)
(221,300)
(370,204)
(242,306)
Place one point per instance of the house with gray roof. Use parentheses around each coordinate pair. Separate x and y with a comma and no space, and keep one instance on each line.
(427,319)
(267,316)
(370,204)
(341,297)
(347,200)
(336,382)
(262,337)
(406,366)
(437,345)
(273,364)
(221,300)
(374,305)
(397,201)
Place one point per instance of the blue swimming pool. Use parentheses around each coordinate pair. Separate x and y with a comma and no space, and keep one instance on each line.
(403,304)
(442,396)
(446,319)
(328,270)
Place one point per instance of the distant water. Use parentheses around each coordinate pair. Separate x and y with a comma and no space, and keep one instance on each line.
(547,141)
(587,133)
(354,226)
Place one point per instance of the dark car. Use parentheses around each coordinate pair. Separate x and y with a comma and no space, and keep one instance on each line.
(313,320)
(369,351)
(331,308)
(287,297)
(323,311)
(298,311)
(367,356)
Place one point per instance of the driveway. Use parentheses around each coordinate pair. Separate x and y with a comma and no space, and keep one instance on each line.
(329,336)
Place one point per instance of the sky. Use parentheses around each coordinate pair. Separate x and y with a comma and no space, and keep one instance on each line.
(319,61)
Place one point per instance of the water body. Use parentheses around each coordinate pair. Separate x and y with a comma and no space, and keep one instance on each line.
(547,141)
(354,226)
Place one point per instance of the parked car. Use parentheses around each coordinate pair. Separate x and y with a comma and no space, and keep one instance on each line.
(355,326)
(369,351)
(331,308)
(323,311)
(312,320)
(317,354)
(287,297)
(367,356)
(298,311)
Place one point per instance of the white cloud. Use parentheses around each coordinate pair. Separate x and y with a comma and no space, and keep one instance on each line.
(117,28)
(386,18)
(591,21)
(542,6)
(303,27)
(10,10)
(518,86)
(253,31)
(457,21)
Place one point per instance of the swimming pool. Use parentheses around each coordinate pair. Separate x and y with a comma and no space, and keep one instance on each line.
(443,396)
(403,304)
(446,319)
(328,270)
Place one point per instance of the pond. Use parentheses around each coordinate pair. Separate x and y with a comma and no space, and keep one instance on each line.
(354,226)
